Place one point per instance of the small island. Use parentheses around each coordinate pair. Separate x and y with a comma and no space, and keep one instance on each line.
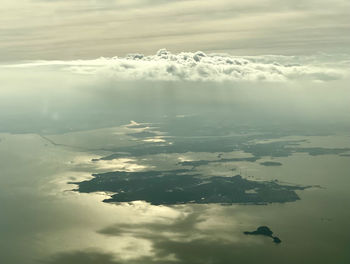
(271,163)
(264,231)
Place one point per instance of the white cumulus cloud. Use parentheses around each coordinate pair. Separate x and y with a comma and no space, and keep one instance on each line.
(198,66)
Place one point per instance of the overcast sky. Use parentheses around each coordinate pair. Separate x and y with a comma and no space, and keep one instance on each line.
(71,29)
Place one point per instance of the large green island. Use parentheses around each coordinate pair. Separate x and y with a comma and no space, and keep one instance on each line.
(184,186)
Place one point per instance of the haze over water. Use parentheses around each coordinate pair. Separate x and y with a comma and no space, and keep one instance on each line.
(53,127)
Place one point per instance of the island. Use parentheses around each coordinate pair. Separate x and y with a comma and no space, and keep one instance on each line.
(222,145)
(264,231)
(186,186)
(271,163)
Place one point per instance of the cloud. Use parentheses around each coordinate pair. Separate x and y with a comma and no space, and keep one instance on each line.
(72,29)
(198,66)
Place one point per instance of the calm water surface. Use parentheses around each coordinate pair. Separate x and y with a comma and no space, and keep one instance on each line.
(49,138)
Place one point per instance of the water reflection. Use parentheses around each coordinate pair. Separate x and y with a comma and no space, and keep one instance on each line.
(51,141)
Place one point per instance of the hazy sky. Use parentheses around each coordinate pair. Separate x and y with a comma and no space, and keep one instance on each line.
(69,29)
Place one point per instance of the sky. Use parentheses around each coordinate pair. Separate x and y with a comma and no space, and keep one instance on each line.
(87,29)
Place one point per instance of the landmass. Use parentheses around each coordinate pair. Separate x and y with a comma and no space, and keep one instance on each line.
(182,186)
(223,145)
(143,134)
(113,156)
(323,151)
(197,163)
(264,231)
(271,163)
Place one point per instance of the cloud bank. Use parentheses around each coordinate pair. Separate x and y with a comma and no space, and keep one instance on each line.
(84,29)
(198,66)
